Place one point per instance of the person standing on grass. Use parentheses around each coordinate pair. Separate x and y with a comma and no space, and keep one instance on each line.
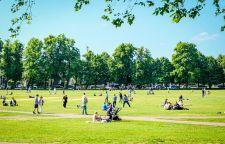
(65,100)
(125,100)
(106,96)
(35,104)
(121,97)
(84,104)
(114,100)
(54,90)
(40,104)
(203,92)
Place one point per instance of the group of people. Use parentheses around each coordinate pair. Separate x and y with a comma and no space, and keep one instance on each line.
(124,99)
(12,102)
(177,106)
(38,104)
(84,102)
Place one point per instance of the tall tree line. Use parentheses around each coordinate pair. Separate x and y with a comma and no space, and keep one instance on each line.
(56,60)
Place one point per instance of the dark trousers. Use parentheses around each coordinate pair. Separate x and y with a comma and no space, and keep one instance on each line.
(64,104)
(126,102)
(84,110)
(114,103)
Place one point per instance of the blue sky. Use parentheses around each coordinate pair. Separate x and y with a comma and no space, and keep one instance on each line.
(159,34)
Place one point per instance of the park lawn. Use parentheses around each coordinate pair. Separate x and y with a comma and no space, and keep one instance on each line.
(8,114)
(143,104)
(205,119)
(79,131)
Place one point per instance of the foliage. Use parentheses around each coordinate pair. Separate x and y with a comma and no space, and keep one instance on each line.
(11,61)
(124,63)
(120,11)
(144,66)
(184,61)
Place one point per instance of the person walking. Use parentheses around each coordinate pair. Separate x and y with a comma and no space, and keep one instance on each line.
(125,101)
(114,100)
(35,104)
(121,97)
(65,100)
(40,104)
(84,104)
(106,96)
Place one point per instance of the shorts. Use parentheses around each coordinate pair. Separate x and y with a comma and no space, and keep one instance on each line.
(35,105)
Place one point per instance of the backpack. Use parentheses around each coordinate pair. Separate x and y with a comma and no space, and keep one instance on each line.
(85,100)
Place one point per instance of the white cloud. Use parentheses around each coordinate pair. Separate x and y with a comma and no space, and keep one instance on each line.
(204,36)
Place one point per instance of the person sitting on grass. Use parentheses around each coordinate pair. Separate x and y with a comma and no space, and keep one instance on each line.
(180,103)
(168,106)
(96,117)
(13,102)
(104,107)
(165,102)
(4,103)
(181,98)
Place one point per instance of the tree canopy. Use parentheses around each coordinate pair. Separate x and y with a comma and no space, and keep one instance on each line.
(120,11)
(56,61)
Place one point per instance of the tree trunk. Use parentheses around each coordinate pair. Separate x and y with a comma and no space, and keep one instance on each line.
(6,83)
(67,83)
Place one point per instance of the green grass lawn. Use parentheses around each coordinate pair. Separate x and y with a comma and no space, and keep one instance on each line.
(142,105)
(25,128)
(206,119)
(78,131)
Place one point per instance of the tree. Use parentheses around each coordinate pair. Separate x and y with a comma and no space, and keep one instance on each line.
(32,61)
(88,70)
(72,61)
(199,74)
(1,45)
(119,11)
(11,62)
(215,73)
(163,69)
(184,61)
(104,73)
(124,63)
(143,66)
(63,58)
(221,62)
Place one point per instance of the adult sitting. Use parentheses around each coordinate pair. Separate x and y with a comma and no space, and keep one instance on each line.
(4,103)
(96,117)
(104,107)
(181,98)
(168,106)
(13,102)
(180,103)
(177,107)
